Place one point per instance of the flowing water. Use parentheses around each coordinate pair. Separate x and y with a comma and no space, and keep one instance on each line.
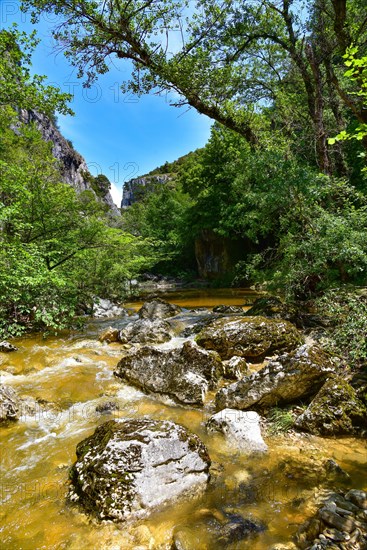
(69,376)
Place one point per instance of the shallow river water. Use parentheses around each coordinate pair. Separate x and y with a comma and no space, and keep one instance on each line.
(69,376)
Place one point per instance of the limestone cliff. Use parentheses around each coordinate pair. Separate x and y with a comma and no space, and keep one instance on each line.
(135,189)
(73,167)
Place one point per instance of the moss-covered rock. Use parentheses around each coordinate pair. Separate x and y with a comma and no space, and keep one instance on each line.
(293,376)
(185,374)
(146,331)
(129,467)
(336,410)
(158,309)
(251,337)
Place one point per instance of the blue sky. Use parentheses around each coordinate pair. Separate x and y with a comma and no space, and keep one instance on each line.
(121,136)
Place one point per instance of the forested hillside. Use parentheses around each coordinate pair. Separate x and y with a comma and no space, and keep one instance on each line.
(60,247)
(276,197)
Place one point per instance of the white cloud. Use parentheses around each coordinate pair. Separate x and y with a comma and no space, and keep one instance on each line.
(116,194)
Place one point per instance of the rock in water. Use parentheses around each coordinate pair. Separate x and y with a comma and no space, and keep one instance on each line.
(6,347)
(293,376)
(336,410)
(9,404)
(129,467)
(242,429)
(249,337)
(158,309)
(185,374)
(146,331)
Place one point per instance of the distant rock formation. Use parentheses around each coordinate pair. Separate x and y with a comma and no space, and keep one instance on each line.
(135,189)
(73,167)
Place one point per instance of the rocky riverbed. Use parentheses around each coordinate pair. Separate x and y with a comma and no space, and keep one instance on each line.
(179,440)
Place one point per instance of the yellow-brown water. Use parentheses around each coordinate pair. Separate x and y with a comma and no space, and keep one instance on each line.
(71,375)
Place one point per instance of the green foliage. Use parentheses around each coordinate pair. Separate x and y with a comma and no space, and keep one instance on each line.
(346,309)
(162,217)
(357,73)
(57,249)
(18,87)
(282,420)
(100,185)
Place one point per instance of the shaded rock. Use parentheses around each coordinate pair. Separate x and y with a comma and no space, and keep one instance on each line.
(237,529)
(146,331)
(336,410)
(335,520)
(222,531)
(273,307)
(242,429)
(6,347)
(158,309)
(228,310)
(105,308)
(9,404)
(293,376)
(129,467)
(235,368)
(110,335)
(359,498)
(185,374)
(107,407)
(337,524)
(251,337)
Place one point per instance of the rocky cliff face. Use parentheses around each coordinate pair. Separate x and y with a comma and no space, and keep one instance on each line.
(135,189)
(73,167)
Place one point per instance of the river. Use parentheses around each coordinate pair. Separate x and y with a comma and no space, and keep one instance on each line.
(69,376)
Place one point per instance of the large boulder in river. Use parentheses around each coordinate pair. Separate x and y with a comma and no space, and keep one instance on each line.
(9,404)
(158,309)
(293,376)
(129,467)
(146,331)
(242,429)
(251,337)
(336,410)
(185,374)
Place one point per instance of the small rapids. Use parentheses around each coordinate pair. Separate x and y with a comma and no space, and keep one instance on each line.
(66,380)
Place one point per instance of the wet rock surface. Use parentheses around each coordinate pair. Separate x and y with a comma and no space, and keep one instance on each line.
(104,308)
(6,347)
(235,368)
(185,374)
(158,309)
(251,337)
(241,429)
(293,376)
(129,467)
(146,331)
(224,530)
(228,310)
(340,523)
(10,404)
(336,410)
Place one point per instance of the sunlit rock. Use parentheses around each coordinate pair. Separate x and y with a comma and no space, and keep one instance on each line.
(129,467)
(158,309)
(251,337)
(336,410)
(185,374)
(242,429)
(293,376)
(9,404)
(6,347)
(146,331)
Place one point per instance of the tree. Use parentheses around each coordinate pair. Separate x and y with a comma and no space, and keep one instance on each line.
(235,56)
(18,88)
